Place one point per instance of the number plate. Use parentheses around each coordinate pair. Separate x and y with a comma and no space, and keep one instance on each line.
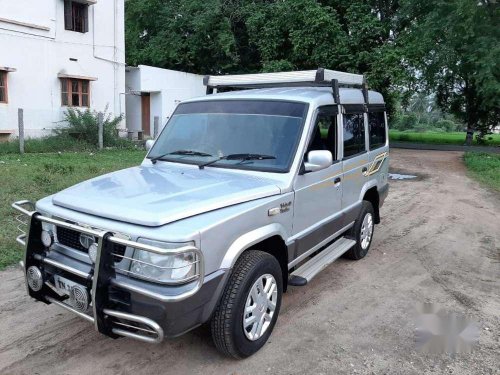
(63,285)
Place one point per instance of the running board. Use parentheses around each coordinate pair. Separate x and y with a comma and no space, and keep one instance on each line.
(305,273)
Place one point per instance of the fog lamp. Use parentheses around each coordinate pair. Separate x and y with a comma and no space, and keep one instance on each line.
(34,278)
(79,298)
(46,238)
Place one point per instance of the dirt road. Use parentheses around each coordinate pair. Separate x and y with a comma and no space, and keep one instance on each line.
(439,242)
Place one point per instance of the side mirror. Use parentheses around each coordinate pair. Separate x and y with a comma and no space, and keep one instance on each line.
(318,160)
(149,144)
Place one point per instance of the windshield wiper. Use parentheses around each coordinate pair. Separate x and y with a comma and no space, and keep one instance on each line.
(180,152)
(242,157)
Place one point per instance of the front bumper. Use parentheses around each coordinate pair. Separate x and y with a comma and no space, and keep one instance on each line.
(119,305)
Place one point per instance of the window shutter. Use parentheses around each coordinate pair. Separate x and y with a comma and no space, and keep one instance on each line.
(68,15)
(85,18)
(64,91)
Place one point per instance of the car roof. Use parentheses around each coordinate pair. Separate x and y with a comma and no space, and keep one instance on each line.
(301,94)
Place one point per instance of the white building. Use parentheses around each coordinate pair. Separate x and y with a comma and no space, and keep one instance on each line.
(155,92)
(59,53)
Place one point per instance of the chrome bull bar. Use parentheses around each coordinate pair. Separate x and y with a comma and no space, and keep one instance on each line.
(154,330)
(109,322)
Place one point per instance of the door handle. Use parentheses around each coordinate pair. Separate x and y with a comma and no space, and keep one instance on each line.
(337,180)
(364,169)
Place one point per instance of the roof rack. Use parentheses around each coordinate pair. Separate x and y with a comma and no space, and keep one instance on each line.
(306,78)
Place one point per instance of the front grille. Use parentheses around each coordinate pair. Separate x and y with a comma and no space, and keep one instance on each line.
(119,250)
(71,238)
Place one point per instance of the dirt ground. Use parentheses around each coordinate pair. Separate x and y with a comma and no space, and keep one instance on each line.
(439,242)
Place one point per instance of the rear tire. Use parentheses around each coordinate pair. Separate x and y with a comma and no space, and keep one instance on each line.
(250,304)
(362,232)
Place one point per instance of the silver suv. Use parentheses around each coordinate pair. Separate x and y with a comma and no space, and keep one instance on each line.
(243,193)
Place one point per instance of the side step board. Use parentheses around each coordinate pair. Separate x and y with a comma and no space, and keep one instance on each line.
(305,273)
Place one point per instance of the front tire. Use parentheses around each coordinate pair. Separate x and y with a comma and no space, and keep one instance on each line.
(250,304)
(362,232)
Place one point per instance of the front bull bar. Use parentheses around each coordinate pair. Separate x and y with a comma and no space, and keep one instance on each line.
(101,276)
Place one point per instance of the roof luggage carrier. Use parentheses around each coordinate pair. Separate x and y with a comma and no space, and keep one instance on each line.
(306,78)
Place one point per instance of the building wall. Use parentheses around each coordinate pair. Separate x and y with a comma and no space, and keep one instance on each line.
(166,87)
(133,98)
(38,55)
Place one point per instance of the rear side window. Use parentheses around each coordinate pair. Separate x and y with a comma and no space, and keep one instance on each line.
(376,129)
(354,134)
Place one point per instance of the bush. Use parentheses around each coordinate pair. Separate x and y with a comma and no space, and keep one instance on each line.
(80,133)
(438,130)
(406,122)
(421,128)
(482,136)
(447,125)
(84,126)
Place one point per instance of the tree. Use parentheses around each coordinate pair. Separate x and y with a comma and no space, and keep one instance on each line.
(188,35)
(453,48)
(226,36)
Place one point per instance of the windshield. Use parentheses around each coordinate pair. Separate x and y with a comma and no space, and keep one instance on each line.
(201,132)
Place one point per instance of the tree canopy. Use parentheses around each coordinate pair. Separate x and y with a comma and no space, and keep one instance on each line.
(453,49)
(446,47)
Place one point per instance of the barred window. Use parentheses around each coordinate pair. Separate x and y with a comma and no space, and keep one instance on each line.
(75,92)
(76,16)
(3,87)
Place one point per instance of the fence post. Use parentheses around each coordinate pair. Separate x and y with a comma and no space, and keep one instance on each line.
(100,121)
(20,120)
(156,125)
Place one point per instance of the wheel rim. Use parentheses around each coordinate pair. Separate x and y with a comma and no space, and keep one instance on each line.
(260,307)
(366,231)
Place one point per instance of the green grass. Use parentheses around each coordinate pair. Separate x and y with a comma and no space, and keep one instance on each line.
(56,144)
(455,138)
(484,167)
(34,176)
(49,144)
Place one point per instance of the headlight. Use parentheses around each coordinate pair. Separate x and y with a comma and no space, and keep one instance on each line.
(172,268)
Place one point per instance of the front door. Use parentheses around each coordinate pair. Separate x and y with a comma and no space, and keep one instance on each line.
(317,207)
(146,114)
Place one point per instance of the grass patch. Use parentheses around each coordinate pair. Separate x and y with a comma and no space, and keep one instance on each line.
(56,144)
(454,138)
(484,167)
(34,176)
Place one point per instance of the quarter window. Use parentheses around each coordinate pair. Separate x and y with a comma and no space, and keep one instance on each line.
(76,16)
(354,134)
(3,87)
(75,92)
(376,129)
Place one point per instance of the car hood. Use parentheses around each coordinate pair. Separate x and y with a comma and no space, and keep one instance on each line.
(155,195)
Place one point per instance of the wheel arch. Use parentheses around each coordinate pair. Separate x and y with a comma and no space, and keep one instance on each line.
(269,239)
(371,195)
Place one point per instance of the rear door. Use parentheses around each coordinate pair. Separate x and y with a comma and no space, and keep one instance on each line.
(317,208)
(355,160)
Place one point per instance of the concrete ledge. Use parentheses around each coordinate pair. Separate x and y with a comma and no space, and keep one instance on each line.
(25,24)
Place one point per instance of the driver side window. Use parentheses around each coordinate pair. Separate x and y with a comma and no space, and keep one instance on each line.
(324,136)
